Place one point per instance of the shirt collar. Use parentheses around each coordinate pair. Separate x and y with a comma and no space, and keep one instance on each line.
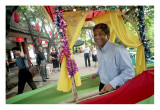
(18,56)
(106,46)
(40,51)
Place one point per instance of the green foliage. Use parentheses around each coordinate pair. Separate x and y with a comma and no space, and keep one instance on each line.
(85,8)
(87,34)
(34,12)
(26,12)
(89,44)
(152,51)
(149,21)
(149,27)
(88,24)
(35,15)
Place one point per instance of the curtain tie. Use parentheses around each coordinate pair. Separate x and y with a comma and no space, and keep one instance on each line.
(145,42)
(64,52)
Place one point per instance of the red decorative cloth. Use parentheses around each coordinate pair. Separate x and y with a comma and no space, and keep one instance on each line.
(50,10)
(139,88)
(16,17)
(50,33)
(62,53)
(37,27)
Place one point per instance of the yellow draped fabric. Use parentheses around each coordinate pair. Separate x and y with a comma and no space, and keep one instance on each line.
(73,29)
(118,28)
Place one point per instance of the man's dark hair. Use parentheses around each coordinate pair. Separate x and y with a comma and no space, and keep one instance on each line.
(103,27)
(16,48)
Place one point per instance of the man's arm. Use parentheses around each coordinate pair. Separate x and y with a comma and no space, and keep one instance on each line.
(26,61)
(38,60)
(125,66)
(94,75)
(97,72)
(17,66)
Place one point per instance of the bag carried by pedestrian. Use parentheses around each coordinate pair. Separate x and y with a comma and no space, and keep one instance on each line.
(33,69)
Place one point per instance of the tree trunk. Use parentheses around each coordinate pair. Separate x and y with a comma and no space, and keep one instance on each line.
(32,37)
(90,35)
(48,52)
(53,38)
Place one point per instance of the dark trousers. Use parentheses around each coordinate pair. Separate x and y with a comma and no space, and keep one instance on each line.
(101,85)
(7,67)
(86,56)
(43,70)
(60,64)
(25,76)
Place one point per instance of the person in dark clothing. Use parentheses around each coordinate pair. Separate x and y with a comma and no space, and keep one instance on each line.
(24,74)
(86,51)
(76,50)
(54,56)
(41,61)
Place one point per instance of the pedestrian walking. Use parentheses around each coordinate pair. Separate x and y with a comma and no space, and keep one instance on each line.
(24,74)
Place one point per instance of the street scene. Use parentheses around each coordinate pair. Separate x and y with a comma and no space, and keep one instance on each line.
(79,54)
(53,77)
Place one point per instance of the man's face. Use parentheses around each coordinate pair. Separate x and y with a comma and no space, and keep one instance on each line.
(40,48)
(53,49)
(99,37)
(16,52)
(86,45)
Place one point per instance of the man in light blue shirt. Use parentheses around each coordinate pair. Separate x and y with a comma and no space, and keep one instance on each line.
(114,63)
(24,74)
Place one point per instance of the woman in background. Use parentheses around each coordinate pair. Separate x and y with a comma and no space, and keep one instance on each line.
(94,55)
(54,55)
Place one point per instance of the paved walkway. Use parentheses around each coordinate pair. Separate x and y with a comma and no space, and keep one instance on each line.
(54,77)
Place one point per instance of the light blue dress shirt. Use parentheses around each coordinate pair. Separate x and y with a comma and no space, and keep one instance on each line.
(22,62)
(114,65)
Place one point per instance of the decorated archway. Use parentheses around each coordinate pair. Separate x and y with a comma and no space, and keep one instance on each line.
(145,86)
(115,21)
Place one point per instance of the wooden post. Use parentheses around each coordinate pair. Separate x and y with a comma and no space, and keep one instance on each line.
(74,90)
(25,50)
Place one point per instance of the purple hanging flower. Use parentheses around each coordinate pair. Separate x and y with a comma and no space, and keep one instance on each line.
(71,65)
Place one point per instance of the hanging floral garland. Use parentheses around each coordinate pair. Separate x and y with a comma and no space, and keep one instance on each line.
(84,8)
(57,24)
(142,32)
(62,27)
